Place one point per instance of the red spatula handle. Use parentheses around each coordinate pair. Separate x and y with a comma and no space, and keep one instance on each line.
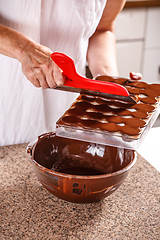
(66,64)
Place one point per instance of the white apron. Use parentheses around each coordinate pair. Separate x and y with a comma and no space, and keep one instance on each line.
(61,25)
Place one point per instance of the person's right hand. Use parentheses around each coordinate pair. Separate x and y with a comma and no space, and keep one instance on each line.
(37,64)
(39,68)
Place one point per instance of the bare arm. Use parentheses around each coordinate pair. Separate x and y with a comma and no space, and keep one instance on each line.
(101,54)
(37,65)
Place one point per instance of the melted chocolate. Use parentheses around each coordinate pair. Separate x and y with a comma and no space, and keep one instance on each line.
(81,171)
(79,157)
(96,113)
(76,171)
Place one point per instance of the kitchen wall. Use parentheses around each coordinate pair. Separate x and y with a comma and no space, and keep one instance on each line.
(138,42)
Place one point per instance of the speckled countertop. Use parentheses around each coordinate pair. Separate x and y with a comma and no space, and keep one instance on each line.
(28,211)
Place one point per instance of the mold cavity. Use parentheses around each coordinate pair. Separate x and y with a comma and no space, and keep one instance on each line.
(113,107)
(126,117)
(108,114)
(120,124)
(95,103)
(132,110)
(84,118)
(90,110)
(142,96)
(103,121)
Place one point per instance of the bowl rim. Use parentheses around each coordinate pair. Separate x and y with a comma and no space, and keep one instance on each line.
(54,173)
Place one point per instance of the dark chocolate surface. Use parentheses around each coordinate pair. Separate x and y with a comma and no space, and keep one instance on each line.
(79,171)
(79,157)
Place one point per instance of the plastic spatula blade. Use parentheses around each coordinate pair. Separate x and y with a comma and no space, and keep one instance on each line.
(77,83)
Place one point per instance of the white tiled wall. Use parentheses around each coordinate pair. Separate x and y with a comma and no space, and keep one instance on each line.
(130,33)
(138,49)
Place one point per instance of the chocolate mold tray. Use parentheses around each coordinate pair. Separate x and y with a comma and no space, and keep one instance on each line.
(112,122)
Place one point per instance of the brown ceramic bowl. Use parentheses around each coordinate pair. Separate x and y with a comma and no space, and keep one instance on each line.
(79,171)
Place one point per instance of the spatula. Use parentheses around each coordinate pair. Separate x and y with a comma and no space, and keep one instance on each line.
(79,84)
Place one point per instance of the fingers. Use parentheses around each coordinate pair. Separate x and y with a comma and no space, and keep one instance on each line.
(35,82)
(39,68)
(50,74)
(135,76)
(53,74)
(40,76)
(45,75)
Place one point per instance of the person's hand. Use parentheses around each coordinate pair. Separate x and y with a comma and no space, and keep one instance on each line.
(39,68)
(135,76)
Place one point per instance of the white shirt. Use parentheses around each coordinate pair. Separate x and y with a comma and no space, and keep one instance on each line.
(61,25)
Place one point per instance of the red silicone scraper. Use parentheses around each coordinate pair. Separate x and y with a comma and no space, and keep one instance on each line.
(79,84)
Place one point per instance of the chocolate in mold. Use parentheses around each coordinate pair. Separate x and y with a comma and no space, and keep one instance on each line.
(150,91)
(110,115)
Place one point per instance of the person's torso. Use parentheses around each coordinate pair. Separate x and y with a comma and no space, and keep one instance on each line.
(61,25)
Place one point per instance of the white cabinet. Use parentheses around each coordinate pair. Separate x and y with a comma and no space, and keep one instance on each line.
(130,24)
(137,33)
(152,36)
(151,66)
(151,54)
(129,57)
(130,33)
